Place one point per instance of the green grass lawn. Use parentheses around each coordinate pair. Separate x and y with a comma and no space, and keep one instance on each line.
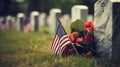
(18,49)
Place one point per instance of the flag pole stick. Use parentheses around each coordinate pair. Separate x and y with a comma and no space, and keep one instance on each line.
(72,43)
(75,49)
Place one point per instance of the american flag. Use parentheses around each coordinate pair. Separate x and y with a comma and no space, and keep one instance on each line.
(27,26)
(3,27)
(60,42)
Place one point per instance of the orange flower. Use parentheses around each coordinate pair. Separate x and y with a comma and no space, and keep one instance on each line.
(72,35)
(71,38)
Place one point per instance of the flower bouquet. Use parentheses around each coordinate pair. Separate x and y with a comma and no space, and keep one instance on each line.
(82,38)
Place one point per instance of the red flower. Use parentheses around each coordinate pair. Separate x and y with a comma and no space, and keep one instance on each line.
(89,38)
(89,26)
(79,40)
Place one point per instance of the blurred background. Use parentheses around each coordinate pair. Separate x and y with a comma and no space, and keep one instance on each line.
(12,7)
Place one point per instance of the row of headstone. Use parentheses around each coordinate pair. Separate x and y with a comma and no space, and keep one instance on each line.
(19,21)
(39,19)
(6,23)
(77,12)
(36,20)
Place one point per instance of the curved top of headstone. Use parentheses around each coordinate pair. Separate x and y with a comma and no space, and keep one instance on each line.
(13,19)
(55,10)
(8,17)
(43,14)
(66,16)
(35,13)
(80,7)
(101,1)
(20,15)
(1,19)
(115,0)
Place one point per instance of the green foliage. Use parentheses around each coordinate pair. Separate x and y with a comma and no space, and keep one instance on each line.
(18,49)
(77,25)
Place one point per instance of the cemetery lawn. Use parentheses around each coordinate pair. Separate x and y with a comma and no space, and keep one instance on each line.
(18,49)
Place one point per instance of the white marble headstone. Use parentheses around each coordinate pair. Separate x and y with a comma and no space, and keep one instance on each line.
(14,20)
(107,28)
(20,21)
(9,22)
(42,19)
(79,12)
(66,19)
(34,20)
(90,18)
(1,20)
(53,19)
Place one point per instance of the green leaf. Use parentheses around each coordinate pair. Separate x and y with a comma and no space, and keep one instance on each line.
(77,25)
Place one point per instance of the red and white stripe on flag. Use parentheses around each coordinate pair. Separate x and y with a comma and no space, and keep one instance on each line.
(27,28)
(59,44)
(60,41)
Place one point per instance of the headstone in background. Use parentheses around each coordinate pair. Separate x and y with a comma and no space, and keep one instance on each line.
(1,21)
(3,24)
(107,29)
(48,20)
(66,19)
(55,14)
(13,19)
(9,21)
(27,26)
(90,18)
(79,12)
(42,19)
(20,21)
(34,20)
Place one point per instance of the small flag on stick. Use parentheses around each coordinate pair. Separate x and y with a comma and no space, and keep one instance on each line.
(27,26)
(61,41)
